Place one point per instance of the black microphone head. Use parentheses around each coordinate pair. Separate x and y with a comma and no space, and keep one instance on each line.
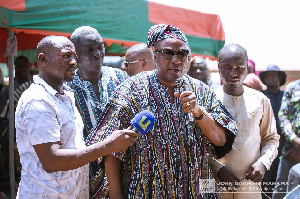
(143,121)
(180,85)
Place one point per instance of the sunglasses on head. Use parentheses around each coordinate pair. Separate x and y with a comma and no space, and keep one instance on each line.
(127,63)
(168,53)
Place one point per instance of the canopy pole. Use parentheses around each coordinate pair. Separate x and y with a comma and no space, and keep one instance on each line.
(11,123)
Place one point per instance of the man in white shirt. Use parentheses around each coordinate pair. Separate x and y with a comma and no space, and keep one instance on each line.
(49,128)
(246,164)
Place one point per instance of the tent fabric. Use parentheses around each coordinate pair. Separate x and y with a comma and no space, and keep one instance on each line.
(120,23)
(204,31)
(18,5)
(191,22)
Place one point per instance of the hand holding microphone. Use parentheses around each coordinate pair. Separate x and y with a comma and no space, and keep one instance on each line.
(188,101)
(120,140)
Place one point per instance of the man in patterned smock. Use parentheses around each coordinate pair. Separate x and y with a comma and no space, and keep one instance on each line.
(171,159)
(92,85)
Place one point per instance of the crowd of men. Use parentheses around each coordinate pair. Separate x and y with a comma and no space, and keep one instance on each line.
(209,140)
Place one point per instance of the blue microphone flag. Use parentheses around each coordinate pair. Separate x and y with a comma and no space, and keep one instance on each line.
(143,121)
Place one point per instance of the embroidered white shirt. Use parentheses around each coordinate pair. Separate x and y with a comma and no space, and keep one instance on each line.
(43,116)
(254,116)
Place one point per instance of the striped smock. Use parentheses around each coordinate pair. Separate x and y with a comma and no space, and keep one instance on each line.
(171,159)
(90,108)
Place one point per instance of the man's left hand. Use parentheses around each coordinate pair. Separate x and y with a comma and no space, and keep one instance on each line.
(189,102)
(256,172)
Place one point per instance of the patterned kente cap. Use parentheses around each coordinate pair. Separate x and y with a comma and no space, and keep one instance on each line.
(162,31)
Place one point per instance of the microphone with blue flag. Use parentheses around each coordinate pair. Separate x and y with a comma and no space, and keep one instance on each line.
(143,121)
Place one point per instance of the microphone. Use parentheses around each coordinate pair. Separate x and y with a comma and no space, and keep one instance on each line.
(143,121)
(181,86)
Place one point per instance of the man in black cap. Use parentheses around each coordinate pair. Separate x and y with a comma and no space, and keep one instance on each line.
(273,78)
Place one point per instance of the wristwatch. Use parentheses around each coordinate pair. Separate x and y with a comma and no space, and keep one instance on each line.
(203,113)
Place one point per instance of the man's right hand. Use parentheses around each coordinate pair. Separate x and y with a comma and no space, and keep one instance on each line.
(226,174)
(120,140)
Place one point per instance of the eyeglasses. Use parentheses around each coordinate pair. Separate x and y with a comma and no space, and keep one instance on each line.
(168,53)
(127,63)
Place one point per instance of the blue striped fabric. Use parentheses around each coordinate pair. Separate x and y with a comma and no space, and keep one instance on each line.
(90,108)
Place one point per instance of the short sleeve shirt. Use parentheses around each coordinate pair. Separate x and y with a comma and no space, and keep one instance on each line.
(43,116)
